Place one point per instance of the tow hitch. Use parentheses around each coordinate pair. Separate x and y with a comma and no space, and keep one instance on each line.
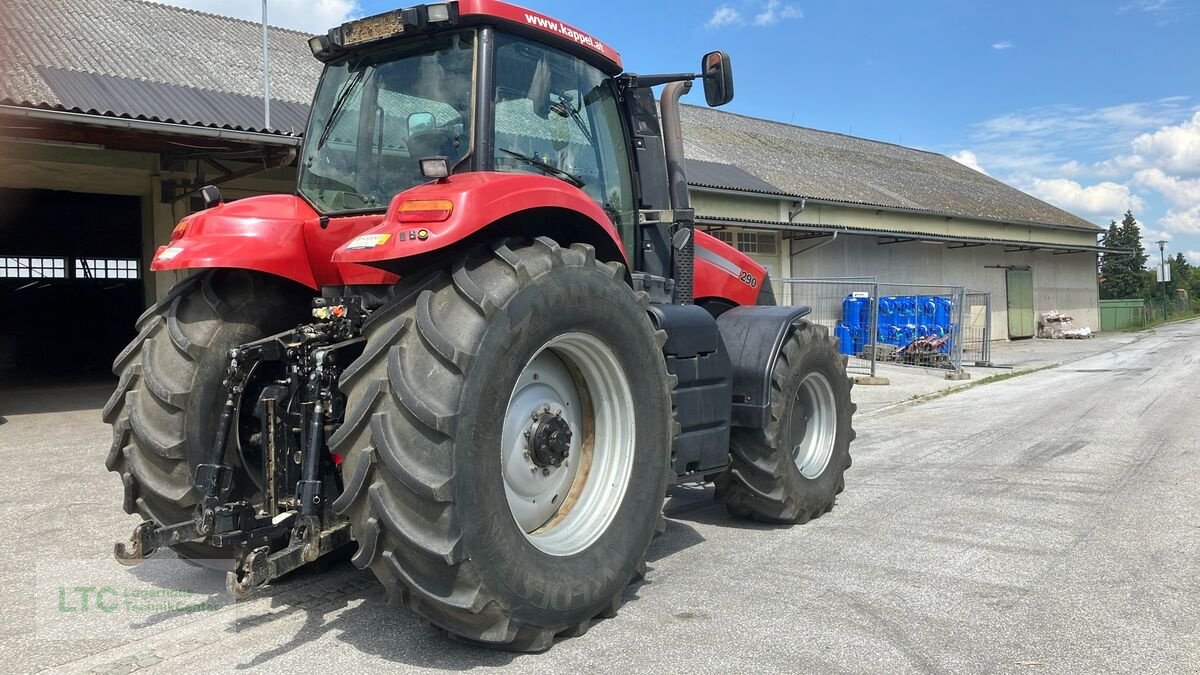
(291,379)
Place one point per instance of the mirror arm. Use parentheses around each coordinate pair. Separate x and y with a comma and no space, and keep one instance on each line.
(635,81)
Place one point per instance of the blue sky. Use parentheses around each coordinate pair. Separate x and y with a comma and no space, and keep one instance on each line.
(1092,105)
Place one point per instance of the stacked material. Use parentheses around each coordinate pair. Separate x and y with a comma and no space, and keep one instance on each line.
(1057,326)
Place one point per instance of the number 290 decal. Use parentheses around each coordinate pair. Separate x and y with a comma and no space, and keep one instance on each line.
(748,279)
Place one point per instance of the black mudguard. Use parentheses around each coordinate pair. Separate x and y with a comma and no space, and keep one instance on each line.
(696,355)
(753,336)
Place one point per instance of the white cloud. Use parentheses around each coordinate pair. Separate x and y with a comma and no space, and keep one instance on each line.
(1104,200)
(968,159)
(774,12)
(310,16)
(1178,191)
(1175,148)
(1186,221)
(724,16)
(1039,141)
(1192,256)
(766,13)
(1163,12)
(1002,45)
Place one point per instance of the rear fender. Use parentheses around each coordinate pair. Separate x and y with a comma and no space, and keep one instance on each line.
(484,205)
(754,335)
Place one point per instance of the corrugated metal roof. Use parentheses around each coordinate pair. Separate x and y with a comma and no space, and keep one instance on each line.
(89,92)
(134,41)
(726,177)
(138,59)
(824,165)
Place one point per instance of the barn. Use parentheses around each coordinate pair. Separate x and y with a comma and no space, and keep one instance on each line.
(114,113)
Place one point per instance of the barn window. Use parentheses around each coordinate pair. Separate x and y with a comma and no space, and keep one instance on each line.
(750,241)
(33,268)
(107,268)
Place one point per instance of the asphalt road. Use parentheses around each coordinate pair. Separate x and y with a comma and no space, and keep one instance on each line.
(1047,523)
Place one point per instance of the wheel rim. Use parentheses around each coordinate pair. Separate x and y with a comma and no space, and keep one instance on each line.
(814,425)
(562,509)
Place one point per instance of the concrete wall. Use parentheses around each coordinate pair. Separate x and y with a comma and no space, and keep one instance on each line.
(1063,282)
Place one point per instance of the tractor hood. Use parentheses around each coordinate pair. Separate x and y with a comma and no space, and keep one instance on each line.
(276,234)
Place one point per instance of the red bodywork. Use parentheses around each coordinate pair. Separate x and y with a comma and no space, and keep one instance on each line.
(277,234)
(725,273)
(489,10)
(282,235)
(478,200)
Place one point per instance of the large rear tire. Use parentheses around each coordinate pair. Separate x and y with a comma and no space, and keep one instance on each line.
(165,408)
(442,499)
(791,471)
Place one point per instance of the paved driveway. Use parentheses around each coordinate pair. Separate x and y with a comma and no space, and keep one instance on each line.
(1048,523)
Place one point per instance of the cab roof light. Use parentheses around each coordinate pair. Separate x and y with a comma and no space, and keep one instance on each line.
(381,27)
(438,13)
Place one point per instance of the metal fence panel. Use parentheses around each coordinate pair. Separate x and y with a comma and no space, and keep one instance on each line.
(845,307)
(977,328)
(921,324)
(924,325)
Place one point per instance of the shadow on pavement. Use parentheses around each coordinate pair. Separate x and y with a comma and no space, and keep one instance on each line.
(52,397)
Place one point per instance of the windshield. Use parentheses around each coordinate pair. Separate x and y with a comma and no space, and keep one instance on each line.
(374,118)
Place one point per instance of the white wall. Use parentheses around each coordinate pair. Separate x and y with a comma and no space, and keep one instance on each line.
(1063,282)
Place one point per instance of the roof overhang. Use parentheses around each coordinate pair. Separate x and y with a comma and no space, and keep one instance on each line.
(112,122)
(805,230)
(880,207)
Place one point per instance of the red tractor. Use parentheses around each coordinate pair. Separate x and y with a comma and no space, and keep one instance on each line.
(518,340)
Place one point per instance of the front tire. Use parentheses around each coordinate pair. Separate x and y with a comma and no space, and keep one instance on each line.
(440,496)
(792,470)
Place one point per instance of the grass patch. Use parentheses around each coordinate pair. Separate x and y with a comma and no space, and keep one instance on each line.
(1159,321)
(999,377)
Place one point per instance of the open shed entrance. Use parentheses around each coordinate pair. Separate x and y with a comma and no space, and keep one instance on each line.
(70,282)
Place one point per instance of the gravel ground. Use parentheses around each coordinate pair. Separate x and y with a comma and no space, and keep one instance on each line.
(1046,523)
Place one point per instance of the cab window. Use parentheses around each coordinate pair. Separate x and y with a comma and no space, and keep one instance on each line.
(558,116)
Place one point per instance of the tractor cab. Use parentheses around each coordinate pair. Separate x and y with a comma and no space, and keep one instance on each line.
(469,89)
(432,91)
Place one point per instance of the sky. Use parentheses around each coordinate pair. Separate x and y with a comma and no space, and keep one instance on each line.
(1091,105)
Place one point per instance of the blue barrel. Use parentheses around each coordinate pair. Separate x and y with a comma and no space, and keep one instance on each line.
(845,339)
(887,312)
(859,336)
(943,306)
(852,311)
(926,310)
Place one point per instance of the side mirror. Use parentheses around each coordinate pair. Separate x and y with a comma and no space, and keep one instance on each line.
(718,78)
(420,121)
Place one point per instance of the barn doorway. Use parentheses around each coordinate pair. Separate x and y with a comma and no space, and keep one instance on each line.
(71,283)
(1020,304)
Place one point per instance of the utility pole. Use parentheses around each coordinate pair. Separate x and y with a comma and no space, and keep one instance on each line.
(1162,272)
(266,72)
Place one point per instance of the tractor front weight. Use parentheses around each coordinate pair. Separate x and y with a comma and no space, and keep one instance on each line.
(281,403)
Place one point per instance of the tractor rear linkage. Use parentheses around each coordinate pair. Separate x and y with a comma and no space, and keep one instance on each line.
(294,376)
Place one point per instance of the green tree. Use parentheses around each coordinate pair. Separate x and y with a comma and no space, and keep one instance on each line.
(1181,274)
(1122,272)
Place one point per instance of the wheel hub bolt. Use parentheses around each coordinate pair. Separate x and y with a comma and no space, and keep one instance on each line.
(549,440)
